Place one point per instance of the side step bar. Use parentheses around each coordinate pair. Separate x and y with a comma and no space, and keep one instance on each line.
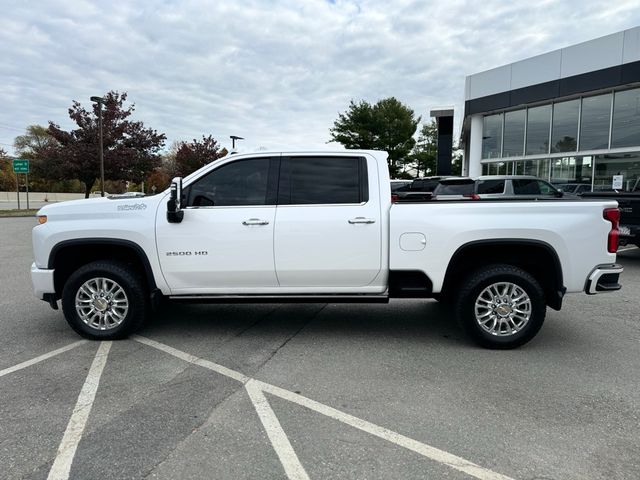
(335,298)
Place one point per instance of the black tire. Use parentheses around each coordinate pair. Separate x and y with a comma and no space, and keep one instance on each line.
(475,284)
(133,286)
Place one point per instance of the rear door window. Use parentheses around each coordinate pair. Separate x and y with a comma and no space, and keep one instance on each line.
(490,186)
(454,189)
(528,186)
(323,180)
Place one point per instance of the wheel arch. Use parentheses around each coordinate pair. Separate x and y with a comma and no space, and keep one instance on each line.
(536,257)
(69,255)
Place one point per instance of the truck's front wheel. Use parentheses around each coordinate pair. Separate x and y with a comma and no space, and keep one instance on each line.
(104,300)
(501,306)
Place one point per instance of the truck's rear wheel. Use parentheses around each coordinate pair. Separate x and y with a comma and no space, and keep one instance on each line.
(501,306)
(104,300)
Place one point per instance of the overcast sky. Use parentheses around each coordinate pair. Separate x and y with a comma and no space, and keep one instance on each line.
(275,72)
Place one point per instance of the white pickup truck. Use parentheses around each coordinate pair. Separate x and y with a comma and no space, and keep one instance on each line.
(319,227)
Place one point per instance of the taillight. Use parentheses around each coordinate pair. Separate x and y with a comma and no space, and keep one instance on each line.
(612,215)
(472,196)
(394,198)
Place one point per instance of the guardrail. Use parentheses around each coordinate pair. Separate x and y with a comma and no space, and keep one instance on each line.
(39,196)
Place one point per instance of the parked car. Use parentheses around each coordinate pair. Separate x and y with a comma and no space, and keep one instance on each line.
(418,190)
(318,227)
(495,187)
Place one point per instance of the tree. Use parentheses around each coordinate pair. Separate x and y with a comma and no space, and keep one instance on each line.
(7,177)
(34,145)
(196,154)
(35,140)
(425,153)
(131,151)
(388,125)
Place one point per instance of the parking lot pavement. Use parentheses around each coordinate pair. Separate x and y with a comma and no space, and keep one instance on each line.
(316,391)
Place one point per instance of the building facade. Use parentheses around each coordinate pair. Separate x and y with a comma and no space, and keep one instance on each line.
(571,116)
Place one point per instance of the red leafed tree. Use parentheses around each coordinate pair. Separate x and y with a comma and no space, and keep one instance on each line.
(196,154)
(131,151)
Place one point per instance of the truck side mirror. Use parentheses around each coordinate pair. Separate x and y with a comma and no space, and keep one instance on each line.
(174,213)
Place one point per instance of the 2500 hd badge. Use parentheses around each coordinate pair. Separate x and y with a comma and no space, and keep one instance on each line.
(186,253)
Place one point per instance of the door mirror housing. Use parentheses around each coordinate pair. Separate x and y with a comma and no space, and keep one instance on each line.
(174,213)
(559,193)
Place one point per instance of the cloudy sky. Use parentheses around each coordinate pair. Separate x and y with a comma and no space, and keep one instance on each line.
(275,72)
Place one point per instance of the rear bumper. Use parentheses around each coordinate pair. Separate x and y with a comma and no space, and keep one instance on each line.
(604,278)
(42,281)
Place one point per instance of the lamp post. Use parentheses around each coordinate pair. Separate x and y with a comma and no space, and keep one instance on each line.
(100,102)
(233,141)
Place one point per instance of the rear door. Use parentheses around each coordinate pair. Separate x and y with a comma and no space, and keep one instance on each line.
(328,222)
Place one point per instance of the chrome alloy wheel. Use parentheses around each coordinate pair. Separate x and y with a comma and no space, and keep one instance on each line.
(101,303)
(503,309)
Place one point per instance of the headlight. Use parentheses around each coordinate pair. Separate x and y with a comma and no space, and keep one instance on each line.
(42,219)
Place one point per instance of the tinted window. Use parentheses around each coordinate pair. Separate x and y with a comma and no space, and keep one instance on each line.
(532,187)
(424,185)
(538,122)
(594,127)
(546,188)
(239,183)
(565,126)
(513,133)
(454,189)
(626,119)
(492,136)
(323,180)
(526,187)
(490,186)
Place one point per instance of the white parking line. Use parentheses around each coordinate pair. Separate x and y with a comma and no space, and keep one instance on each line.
(40,358)
(72,435)
(254,386)
(187,357)
(292,466)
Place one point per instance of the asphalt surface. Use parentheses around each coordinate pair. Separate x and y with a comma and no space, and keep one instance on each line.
(565,406)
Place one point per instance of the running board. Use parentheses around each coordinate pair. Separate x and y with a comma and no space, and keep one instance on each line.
(332,298)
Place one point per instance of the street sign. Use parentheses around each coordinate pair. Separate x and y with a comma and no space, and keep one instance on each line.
(21,166)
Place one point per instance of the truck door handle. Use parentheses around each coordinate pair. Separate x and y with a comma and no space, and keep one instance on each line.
(361,220)
(255,221)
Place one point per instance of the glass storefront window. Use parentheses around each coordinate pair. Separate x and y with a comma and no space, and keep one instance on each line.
(513,143)
(627,165)
(538,121)
(492,136)
(564,133)
(626,119)
(594,127)
(572,172)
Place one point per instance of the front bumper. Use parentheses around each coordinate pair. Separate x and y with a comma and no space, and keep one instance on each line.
(42,281)
(604,278)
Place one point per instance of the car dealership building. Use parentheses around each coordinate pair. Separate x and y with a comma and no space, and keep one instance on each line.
(569,116)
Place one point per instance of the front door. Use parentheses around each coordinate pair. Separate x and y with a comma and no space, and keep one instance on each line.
(224,243)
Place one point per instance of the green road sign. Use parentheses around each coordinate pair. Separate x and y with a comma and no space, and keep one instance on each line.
(21,166)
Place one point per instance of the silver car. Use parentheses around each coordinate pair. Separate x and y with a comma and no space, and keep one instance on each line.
(495,186)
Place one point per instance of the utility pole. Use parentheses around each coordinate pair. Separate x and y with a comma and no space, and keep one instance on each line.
(100,102)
